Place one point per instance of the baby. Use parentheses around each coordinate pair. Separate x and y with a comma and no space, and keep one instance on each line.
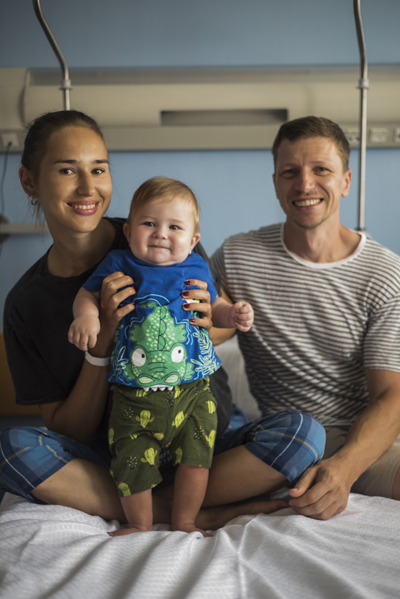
(160,363)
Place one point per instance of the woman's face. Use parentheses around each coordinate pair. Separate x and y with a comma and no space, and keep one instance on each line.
(74,184)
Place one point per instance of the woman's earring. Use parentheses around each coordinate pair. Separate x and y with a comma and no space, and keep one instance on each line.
(34,201)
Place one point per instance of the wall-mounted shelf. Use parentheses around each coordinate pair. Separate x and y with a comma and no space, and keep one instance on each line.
(23,228)
(7,229)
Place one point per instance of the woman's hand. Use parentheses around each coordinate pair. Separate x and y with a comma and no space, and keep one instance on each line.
(203,308)
(116,288)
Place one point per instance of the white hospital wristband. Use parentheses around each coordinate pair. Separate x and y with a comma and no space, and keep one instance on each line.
(97,361)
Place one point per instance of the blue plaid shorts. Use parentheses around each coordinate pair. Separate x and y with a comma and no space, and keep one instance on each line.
(289,442)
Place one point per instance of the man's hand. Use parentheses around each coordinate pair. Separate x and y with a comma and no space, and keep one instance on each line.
(322,491)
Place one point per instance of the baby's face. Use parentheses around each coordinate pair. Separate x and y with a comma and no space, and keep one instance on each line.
(162,232)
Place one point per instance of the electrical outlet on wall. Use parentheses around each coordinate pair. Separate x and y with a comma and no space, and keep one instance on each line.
(9,138)
(396,135)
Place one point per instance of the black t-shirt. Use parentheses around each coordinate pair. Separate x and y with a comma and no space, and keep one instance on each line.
(37,315)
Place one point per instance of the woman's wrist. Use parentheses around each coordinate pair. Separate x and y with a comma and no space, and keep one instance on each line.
(105,342)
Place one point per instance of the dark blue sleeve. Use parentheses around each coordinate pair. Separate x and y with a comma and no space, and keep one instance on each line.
(204,274)
(198,249)
(210,285)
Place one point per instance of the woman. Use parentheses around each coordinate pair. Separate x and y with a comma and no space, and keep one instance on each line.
(65,171)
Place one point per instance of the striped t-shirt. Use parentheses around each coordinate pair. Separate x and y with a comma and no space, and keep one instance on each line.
(317,327)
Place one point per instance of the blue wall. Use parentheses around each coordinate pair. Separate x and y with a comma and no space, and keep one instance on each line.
(234,187)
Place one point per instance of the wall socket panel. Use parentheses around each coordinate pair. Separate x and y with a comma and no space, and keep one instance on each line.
(396,135)
(7,138)
(379,135)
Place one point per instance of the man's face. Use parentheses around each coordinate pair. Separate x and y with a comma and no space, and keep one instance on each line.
(309,181)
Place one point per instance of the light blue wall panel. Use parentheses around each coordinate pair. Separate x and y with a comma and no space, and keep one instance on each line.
(234,188)
(155,33)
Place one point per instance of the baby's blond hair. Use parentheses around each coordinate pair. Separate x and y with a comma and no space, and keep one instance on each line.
(166,189)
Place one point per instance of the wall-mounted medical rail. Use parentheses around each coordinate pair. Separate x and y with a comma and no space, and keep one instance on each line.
(66,82)
(161,95)
(7,228)
(363,87)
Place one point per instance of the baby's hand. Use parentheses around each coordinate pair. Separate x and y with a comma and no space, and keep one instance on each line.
(241,316)
(83,331)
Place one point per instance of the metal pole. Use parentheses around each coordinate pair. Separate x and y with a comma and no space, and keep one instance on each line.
(66,82)
(363,87)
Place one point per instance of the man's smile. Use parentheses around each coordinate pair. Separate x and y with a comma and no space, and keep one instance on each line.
(307,202)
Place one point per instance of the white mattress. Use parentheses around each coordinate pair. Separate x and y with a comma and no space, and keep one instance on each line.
(57,552)
(52,552)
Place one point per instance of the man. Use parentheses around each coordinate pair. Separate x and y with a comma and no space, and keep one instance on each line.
(327,320)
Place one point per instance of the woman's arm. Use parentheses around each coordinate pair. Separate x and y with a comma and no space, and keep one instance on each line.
(80,414)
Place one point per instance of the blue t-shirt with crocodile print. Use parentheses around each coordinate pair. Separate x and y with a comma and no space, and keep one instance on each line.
(155,345)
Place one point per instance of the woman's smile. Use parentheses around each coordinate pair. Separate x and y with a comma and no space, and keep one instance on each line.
(84,209)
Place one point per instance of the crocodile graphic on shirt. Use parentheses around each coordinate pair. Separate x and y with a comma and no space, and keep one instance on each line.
(159,357)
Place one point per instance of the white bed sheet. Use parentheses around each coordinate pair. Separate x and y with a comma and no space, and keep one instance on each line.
(58,552)
(61,553)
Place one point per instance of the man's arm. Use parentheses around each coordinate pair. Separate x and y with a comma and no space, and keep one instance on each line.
(324,489)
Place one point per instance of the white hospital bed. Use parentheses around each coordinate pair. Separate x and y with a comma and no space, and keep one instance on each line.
(58,553)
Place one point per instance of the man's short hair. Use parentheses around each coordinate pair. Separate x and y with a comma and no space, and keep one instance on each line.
(313,126)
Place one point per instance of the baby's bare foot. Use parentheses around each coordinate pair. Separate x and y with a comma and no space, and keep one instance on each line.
(127,530)
(192,528)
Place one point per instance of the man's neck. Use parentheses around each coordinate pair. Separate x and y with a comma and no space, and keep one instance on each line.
(322,244)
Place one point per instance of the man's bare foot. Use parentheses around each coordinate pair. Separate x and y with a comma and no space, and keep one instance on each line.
(127,530)
(215,517)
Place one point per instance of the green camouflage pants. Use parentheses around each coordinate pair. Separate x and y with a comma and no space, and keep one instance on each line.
(143,423)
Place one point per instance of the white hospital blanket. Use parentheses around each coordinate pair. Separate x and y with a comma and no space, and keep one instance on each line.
(59,553)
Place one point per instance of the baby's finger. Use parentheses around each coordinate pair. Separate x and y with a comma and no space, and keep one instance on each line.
(71,335)
(91,341)
(83,342)
(242,328)
(244,308)
(75,338)
(246,317)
